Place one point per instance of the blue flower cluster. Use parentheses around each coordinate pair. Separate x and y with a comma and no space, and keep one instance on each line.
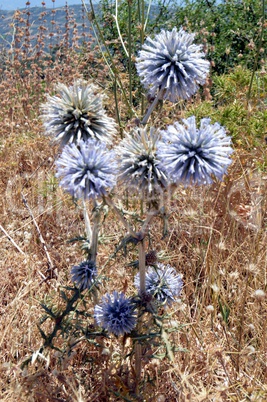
(147,161)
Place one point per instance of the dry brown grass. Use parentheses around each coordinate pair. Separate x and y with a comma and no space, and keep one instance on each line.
(216,239)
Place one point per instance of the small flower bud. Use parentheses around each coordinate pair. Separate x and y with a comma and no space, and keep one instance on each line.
(210,309)
(259,294)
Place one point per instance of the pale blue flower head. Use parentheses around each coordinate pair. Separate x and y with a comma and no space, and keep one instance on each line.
(194,155)
(84,275)
(162,282)
(77,113)
(174,63)
(139,165)
(87,170)
(116,314)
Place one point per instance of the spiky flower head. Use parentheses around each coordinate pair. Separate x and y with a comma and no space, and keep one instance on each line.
(116,314)
(173,64)
(162,282)
(77,113)
(84,274)
(87,170)
(139,166)
(194,155)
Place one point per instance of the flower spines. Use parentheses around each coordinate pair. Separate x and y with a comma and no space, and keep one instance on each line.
(173,63)
(77,113)
(87,170)
(84,275)
(162,282)
(116,314)
(194,155)
(139,165)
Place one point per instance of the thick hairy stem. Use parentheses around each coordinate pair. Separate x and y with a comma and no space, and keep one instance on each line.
(95,232)
(87,223)
(138,364)
(152,106)
(142,266)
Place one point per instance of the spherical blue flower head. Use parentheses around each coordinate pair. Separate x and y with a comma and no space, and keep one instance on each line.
(87,170)
(77,113)
(162,282)
(84,275)
(171,61)
(139,166)
(116,314)
(195,156)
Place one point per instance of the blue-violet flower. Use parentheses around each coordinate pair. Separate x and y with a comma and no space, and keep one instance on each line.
(139,166)
(116,314)
(171,65)
(162,282)
(194,155)
(77,113)
(84,274)
(87,170)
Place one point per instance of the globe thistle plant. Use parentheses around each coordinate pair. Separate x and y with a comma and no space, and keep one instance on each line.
(116,314)
(171,65)
(87,170)
(77,113)
(139,166)
(162,282)
(84,275)
(194,155)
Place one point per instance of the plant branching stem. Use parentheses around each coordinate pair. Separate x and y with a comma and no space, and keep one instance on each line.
(124,221)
